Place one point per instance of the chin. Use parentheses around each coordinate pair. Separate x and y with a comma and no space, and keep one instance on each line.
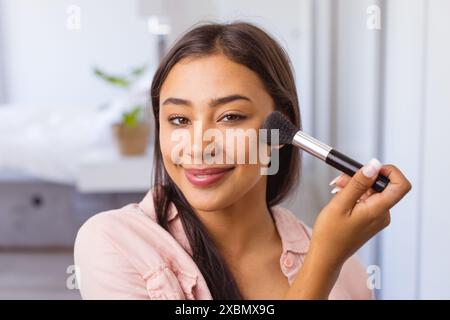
(208,203)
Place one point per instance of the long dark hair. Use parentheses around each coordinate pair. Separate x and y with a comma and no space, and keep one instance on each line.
(252,47)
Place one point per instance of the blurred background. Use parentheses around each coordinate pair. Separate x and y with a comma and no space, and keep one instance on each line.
(373,79)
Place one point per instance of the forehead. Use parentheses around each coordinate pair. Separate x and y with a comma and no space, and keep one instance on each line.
(213,75)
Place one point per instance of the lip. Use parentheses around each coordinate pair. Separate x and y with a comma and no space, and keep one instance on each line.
(203,177)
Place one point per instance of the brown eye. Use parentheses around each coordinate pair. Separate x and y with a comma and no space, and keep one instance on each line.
(179,120)
(232,117)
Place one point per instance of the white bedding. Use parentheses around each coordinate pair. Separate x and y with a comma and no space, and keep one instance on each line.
(47,142)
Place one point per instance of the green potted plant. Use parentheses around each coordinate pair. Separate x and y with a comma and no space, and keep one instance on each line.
(132,132)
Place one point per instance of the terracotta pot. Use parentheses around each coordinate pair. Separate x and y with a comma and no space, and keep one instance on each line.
(132,140)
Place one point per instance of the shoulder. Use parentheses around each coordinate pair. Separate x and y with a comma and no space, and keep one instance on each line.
(125,253)
(122,225)
(106,269)
(113,225)
(119,254)
(127,230)
(125,236)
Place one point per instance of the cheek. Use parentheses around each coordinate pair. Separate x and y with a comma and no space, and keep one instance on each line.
(246,178)
(248,175)
(167,145)
(246,152)
(169,138)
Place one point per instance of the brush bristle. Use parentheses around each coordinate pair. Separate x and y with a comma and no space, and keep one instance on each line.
(277,120)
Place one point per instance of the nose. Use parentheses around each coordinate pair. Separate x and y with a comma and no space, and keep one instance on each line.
(201,146)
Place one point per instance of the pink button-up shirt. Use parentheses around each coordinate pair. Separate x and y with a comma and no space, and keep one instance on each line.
(126,254)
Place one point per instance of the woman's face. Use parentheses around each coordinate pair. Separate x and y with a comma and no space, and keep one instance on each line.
(218,94)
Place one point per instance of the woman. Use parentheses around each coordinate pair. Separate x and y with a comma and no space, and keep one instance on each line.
(209,231)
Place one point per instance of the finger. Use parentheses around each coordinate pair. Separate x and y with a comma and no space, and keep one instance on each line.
(343,180)
(358,185)
(396,177)
(397,188)
(337,184)
(366,195)
(340,184)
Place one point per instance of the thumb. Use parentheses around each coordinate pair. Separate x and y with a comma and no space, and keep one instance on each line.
(358,185)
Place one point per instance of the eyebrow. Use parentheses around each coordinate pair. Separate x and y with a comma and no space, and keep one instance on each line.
(213,103)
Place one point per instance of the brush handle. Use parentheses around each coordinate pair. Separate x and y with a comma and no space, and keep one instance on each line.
(334,158)
(349,166)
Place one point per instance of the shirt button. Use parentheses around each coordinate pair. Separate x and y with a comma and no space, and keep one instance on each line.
(288,262)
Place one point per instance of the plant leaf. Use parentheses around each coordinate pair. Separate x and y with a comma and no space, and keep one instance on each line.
(114,80)
(131,118)
(138,71)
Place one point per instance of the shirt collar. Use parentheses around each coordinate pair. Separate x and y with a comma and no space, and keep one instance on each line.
(295,240)
(295,236)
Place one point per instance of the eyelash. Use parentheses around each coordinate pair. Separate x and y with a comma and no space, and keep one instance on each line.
(172,118)
(238,117)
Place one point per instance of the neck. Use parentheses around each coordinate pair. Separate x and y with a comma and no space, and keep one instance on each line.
(240,228)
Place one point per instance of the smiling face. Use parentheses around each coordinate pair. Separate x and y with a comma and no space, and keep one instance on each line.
(220,94)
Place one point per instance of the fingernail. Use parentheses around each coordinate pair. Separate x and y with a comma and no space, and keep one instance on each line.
(333,182)
(371,168)
(336,190)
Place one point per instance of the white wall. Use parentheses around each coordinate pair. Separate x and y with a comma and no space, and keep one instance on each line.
(403,143)
(415,254)
(2,63)
(46,63)
(435,221)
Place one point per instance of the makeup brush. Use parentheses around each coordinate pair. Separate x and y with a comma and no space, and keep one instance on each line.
(289,134)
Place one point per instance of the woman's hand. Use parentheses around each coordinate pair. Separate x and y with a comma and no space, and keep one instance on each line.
(348,221)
